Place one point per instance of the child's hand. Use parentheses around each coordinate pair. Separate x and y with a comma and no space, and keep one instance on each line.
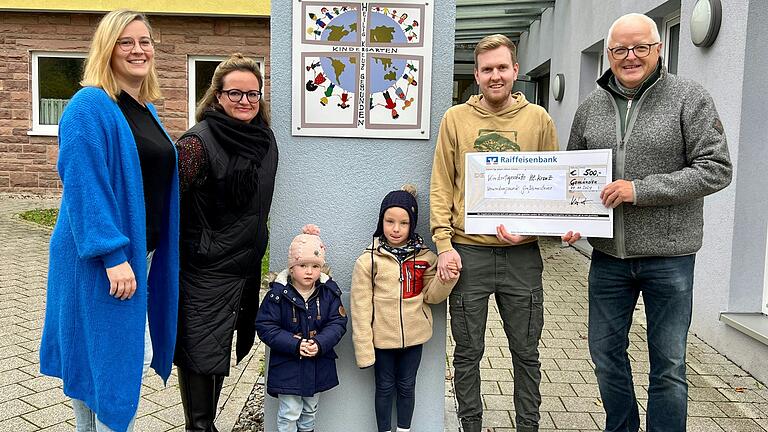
(312,348)
(304,348)
(308,348)
(453,270)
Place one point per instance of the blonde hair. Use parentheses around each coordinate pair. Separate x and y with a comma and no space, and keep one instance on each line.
(98,68)
(494,41)
(235,62)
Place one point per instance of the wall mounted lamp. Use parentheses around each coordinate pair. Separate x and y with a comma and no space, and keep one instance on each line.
(705,22)
(558,87)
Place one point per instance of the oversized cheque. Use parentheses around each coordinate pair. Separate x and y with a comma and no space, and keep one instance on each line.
(538,193)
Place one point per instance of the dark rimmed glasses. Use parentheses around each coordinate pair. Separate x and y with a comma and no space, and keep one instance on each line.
(127,44)
(236,95)
(641,51)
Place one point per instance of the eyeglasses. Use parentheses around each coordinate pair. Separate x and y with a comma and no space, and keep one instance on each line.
(641,51)
(127,44)
(236,95)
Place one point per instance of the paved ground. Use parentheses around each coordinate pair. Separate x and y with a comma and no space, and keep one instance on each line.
(31,402)
(723,396)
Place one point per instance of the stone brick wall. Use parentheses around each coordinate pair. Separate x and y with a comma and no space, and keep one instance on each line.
(28,163)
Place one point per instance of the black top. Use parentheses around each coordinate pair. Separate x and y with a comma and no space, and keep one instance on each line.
(157,157)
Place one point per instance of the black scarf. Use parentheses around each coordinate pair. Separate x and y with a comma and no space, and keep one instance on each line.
(246,144)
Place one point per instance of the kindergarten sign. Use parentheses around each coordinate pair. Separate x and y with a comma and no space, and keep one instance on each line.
(362,69)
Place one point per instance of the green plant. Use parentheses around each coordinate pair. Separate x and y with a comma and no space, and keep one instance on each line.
(45,217)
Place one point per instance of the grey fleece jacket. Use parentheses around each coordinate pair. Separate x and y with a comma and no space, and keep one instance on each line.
(675,153)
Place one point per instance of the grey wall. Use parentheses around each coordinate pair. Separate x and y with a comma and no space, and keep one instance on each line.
(730,270)
(750,216)
(730,267)
(561,35)
(338,184)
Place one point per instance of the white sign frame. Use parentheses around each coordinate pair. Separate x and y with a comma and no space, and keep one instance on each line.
(323,107)
(538,193)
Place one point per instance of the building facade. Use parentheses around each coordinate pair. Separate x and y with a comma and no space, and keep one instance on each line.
(731,280)
(43,45)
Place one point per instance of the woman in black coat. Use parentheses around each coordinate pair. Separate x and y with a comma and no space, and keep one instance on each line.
(227,165)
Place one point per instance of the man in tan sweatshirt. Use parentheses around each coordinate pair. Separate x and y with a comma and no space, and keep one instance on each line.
(506,265)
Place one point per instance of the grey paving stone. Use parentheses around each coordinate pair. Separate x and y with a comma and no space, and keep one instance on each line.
(151,424)
(59,427)
(17,424)
(740,394)
(740,425)
(13,391)
(574,364)
(49,416)
(497,418)
(41,383)
(741,410)
(498,402)
(489,388)
(586,390)
(496,374)
(552,404)
(13,408)
(703,424)
(705,409)
(571,377)
(577,404)
(173,415)
(557,389)
(571,420)
(45,398)
(705,394)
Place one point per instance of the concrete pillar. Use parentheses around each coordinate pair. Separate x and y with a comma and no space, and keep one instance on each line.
(338,184)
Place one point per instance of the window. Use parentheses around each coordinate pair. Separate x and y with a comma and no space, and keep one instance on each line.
(55,79)
(591,68)
(671,42)
(201,70)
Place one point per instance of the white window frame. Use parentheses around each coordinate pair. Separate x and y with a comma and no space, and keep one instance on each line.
(37,128)
(669,21)
(191,78)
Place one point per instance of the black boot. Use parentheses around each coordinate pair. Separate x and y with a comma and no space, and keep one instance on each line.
(472,424)
(199,397)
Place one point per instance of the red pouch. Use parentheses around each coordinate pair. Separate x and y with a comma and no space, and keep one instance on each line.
(413,277)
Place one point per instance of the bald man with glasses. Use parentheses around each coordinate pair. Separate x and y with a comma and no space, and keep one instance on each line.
(669,152)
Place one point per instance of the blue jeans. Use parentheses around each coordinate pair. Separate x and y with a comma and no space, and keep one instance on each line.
(296,413)
(396,369)
(667,287)
(85,418)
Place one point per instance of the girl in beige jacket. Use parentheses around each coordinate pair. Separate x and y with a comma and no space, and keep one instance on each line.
(392,283)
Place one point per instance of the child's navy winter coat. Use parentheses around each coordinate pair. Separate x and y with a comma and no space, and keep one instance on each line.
(284,319)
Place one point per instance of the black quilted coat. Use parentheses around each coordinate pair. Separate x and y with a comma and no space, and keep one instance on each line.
(220,253)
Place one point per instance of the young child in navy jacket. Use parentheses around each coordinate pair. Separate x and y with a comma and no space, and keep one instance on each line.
(301,320)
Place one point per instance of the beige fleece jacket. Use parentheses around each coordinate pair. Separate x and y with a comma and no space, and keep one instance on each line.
(470,127)
(392,312)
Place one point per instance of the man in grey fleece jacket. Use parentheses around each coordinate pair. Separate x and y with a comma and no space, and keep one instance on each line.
(669,152)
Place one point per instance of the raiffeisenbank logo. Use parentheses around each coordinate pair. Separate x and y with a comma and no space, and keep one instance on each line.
(520,159)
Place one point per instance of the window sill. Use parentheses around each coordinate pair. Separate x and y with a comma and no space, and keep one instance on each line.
(50,133)
(752,324)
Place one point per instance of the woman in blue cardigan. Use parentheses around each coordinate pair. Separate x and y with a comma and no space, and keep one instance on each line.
(113,275)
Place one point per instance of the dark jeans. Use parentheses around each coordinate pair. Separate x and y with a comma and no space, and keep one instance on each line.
(513,275)
(396,368)
(667,287)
